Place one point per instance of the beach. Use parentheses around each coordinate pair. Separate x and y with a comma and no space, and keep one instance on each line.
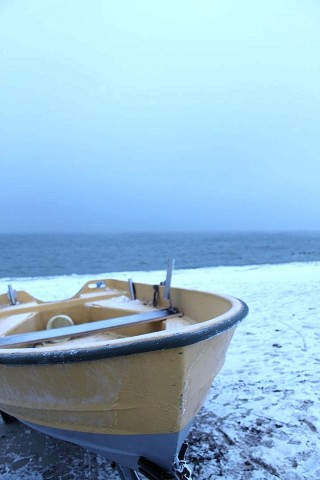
(261,418)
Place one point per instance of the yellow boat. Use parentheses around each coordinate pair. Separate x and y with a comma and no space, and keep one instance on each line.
(120,368)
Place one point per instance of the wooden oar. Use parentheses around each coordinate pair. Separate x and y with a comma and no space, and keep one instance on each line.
(22,339)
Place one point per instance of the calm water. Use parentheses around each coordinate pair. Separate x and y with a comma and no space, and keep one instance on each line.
(47,255)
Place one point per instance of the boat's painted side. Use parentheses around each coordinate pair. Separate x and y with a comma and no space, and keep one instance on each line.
(152,392)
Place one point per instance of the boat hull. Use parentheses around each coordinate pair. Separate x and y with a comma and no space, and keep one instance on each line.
(148,399)
(126,450)
(128,397)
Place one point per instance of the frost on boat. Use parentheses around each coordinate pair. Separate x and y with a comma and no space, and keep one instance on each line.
(120,368)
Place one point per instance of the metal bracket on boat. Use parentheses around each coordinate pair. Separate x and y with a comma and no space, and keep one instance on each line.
(181,467)
(153,472)
(132,289)
(12,295)
(155,295)
(167,282)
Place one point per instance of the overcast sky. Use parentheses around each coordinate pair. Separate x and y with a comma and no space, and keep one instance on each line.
(129,115)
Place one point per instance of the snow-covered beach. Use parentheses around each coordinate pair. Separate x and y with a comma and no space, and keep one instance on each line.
(261,419)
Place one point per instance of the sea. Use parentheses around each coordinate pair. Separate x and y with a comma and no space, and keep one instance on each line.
(47,255)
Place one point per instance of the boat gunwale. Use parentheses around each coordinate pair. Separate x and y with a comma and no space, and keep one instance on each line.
(188,336)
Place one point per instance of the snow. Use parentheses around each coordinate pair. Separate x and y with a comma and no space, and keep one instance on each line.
(261,419)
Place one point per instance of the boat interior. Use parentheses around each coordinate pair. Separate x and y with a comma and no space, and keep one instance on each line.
(102,310)
(96,302)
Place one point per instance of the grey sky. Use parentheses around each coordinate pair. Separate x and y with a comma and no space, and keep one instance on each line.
(172,115)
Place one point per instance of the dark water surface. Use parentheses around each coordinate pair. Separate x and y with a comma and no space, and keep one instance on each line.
(64,254)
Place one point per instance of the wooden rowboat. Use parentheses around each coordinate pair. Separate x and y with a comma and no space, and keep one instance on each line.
(120,368)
